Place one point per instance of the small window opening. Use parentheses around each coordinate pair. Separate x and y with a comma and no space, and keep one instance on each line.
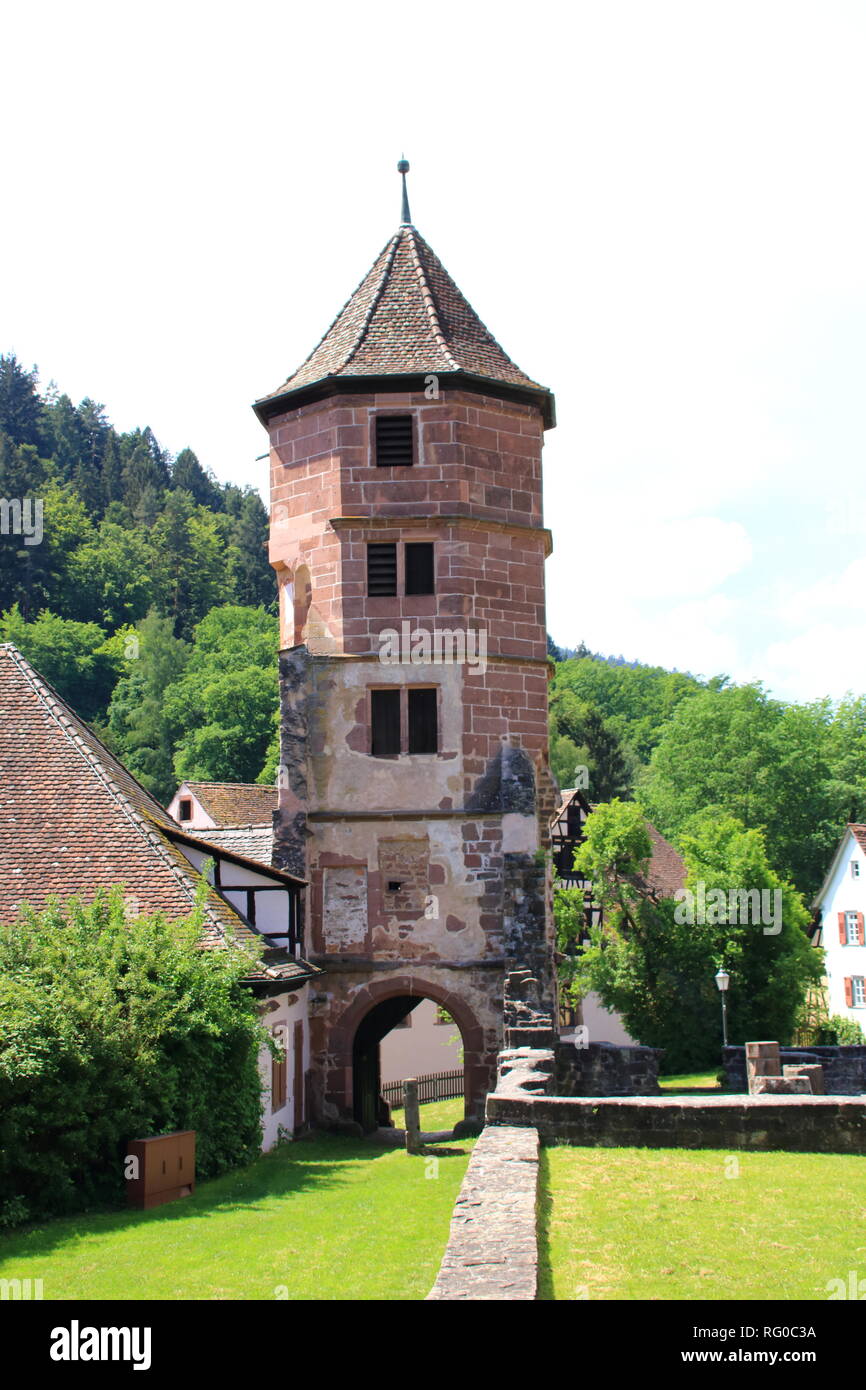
(385,720)
(423,732)
(419,568)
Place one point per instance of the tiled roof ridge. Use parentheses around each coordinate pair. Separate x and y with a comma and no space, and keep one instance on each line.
(238,824)
(429,298)
(56,706)
(259,786)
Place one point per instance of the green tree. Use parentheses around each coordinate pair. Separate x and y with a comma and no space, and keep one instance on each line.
(144,466)
(737,752)
(74,657)
(20,403)
(139,731)
(190,571)
(116,1026)
(581,729)
(252,576)
(654,959)
(223,706)
(112,575)
(187,475)
(635,701)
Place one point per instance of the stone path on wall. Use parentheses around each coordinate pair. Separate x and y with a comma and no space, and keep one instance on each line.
(492,1251)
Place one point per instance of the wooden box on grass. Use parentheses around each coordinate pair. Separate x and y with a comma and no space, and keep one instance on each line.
(166,1168)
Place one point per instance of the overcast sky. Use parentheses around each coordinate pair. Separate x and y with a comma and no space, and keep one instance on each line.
(658,208)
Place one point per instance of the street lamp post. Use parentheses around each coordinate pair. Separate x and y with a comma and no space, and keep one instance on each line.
(723,980)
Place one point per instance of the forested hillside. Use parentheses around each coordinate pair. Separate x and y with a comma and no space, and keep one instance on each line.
(694,751)
(148,602)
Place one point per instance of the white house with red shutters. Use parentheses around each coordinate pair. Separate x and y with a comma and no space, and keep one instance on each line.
(840,908)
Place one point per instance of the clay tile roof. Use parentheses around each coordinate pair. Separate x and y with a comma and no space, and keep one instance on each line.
(667,869)
(859,833)
(236,803)
(250,841)
(406,318)
(73,819)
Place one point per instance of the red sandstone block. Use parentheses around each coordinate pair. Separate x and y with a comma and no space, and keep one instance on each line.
(517,446)
(474,437)
(437,432)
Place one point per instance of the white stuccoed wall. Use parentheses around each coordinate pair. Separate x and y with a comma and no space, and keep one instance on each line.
(422,1048)
(844,894)
(292,1008)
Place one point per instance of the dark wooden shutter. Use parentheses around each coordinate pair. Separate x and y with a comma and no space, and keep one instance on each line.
(423,730)
(298,1094)
(419,568)
(849,991)
(278,1081)
(385,721)
(394,441)
(382,568)
(843,930)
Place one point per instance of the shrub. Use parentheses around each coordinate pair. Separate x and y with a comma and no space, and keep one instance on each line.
(839,1031)
(114,1029)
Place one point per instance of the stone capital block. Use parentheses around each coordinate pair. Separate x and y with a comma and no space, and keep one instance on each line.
(762,1059)
(782,1086)
(813,1074)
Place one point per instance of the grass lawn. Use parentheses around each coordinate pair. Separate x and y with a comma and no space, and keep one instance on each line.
(670,1223)
(692,1081)
(436,1114)
(325,1218)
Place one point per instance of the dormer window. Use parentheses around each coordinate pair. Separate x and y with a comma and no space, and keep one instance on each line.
(855,868)
(395,441)
(185,812)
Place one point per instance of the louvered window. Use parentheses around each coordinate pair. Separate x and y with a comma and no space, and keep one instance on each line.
(394,441)
(385,719)
(419,568)
(382,568)
(423,732)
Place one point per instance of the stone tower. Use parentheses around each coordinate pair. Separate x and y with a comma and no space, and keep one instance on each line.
(415,791)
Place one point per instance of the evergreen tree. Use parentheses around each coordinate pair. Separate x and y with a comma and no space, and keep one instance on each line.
(254,582)
(20,404)
(138,729)
(591,742)
(111,473)
(187,475)
(144,466)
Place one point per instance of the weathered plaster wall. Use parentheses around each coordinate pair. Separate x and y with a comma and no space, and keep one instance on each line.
(290,1010)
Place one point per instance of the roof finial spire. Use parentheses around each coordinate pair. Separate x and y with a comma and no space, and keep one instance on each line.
(405,216)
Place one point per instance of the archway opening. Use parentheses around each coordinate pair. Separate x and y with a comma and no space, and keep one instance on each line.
(402,1036)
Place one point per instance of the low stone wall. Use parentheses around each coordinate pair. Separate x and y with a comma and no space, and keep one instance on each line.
(604,1069)
(492,1251)
(844,1067)
(797,1124)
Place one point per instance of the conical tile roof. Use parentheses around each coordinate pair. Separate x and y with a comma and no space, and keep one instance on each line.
(406,318)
